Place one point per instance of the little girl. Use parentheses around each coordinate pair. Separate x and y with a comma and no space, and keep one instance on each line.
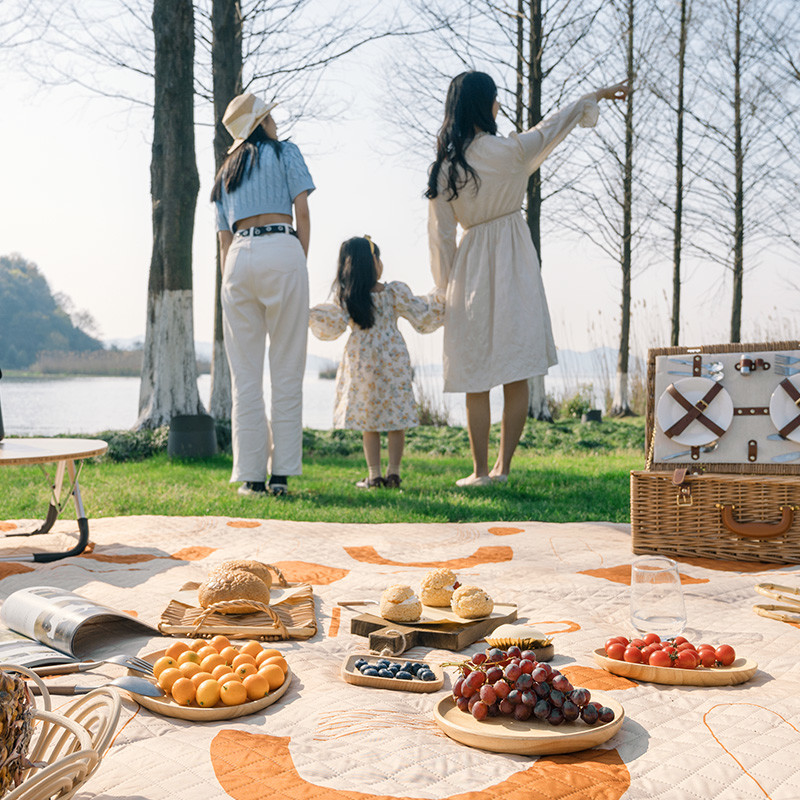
(373,382)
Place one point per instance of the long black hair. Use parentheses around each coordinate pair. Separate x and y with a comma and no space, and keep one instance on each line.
(468,106)
(355,277)
(241,162)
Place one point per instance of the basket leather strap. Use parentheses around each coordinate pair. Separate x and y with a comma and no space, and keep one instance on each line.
(794,395)
(695,411)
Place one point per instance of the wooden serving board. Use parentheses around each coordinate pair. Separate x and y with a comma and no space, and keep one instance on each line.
(400,637)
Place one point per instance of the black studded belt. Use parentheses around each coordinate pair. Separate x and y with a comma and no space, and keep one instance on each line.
(266,230)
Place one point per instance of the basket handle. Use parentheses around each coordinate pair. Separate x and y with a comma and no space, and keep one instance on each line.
(757,530)
(224,605)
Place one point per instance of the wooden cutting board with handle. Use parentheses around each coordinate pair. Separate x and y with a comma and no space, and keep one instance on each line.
(399,637)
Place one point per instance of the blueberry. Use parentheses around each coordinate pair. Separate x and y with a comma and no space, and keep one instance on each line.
(394,668)
(384,662)
(402,675)
(426,675)
(371,671)
(360,663)
(385,673)
(416,667)
(408,667)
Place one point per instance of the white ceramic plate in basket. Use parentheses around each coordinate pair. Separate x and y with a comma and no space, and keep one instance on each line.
(533,737)
(719,411)
(782,409)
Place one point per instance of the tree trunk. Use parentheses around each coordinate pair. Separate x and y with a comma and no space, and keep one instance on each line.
(678,231)
(169,369)
(619,405)
(537,395)
(226,60)
(738,236)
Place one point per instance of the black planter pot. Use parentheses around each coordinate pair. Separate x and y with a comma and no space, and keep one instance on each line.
(192,436)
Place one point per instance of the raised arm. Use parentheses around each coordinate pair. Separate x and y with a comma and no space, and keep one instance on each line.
(537,144)
(327,321)
(425,314)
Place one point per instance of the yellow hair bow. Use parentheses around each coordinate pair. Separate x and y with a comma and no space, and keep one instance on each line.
(371,245)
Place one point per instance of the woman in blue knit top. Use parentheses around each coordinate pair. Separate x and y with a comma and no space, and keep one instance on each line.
(260,187)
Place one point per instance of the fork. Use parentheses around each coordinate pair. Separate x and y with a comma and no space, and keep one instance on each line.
(706,449)
(131,662)
(785,360)
(714,376)
(782,369)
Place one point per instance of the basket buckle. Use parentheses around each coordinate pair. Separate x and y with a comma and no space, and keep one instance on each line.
(684,497)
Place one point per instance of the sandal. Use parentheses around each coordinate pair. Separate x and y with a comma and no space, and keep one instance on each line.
(371,483)
(393,481)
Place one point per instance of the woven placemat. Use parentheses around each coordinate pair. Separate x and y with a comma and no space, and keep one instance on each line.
(295,619)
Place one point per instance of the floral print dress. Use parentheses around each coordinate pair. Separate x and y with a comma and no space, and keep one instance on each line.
(373,382)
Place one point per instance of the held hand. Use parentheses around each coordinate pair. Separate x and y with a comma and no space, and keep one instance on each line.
(619,91)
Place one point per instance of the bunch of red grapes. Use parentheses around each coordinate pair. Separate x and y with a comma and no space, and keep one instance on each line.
(678,652)
(513,683)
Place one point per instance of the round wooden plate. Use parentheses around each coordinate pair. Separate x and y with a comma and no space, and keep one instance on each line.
(167,707)
(351,675)
(739,672)
(534,737)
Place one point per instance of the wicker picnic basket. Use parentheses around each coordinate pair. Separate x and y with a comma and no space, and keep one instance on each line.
(740,502)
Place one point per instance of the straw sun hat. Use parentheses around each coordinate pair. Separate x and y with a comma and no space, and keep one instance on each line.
(243,115)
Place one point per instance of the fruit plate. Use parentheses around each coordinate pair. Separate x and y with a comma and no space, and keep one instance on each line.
(351,675)
(534,737)
(740,671)
(167,707)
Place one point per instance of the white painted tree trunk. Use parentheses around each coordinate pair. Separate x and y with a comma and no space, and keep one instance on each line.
(221,397)
(169,369)
(537,399)
(620,406)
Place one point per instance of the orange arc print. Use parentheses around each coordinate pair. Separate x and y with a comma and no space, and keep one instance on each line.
(483,555)
(505,531)
(622,574)
(307,572)
(251,766)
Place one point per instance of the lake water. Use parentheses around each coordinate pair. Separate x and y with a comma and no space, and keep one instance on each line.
(88,405)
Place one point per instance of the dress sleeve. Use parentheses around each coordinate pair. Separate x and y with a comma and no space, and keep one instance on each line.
(327,321)
(298,178)
(536,144)
(425,314)
(442,227)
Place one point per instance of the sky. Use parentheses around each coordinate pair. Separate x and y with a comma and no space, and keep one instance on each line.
(76,202)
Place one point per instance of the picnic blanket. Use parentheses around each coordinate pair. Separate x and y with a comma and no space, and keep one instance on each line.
(326,739)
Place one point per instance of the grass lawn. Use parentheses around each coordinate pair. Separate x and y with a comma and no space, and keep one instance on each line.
(563,472)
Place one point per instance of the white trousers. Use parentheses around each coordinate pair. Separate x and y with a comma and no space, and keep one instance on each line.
(265,294)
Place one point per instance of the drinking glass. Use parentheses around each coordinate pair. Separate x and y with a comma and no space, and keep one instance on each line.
(657,597)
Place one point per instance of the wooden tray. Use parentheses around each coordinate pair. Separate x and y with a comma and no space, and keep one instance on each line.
(296,620)
(534,737)
(739,672)
(167,707)
(399,637)
(351,675)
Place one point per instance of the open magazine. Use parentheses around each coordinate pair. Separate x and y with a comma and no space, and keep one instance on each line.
(49,626)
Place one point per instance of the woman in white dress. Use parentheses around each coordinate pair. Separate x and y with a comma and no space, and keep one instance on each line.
(497,326)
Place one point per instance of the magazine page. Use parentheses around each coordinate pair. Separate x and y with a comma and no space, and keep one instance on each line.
(16,649)
(68,622)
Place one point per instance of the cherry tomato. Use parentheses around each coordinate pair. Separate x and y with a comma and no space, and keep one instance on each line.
(705,647)
(686,659)
(707,658)
(686,646)
(652,638)
(616,640)
(669,649)
(646,651)
(679,640)
(615,650)
(725,654)
(633,655)
(638,643)
(658,658)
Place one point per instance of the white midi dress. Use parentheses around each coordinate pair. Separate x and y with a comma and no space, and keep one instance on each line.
(374,380)
(497,325)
